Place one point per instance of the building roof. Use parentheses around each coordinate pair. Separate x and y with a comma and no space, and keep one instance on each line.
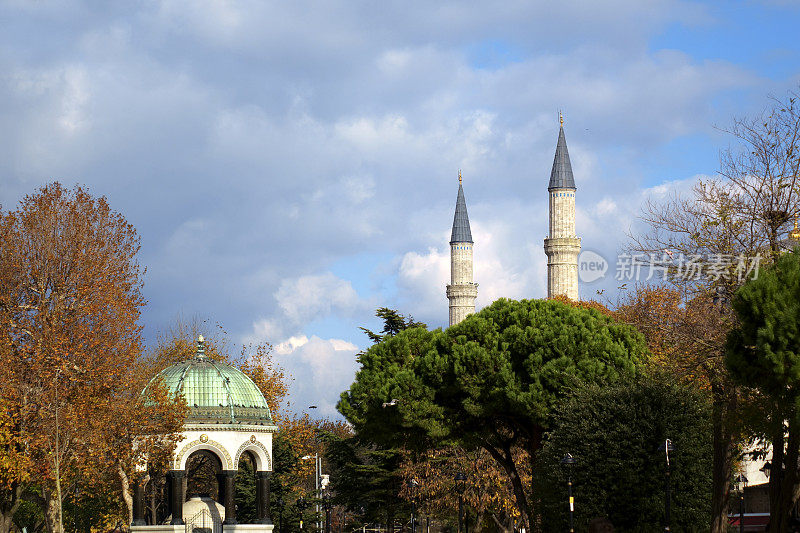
(215,392)
(461,231)
(561,175)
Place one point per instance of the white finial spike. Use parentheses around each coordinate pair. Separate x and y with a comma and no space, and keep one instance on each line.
(200,338)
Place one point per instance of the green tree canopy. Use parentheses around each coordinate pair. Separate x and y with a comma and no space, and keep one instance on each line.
(613,432)
(764,352)
(490,381)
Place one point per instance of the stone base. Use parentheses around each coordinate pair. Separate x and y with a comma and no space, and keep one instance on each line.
(158,529)
(226,528)
(248,528)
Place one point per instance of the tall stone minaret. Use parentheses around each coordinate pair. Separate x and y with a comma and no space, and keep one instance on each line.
(562,246)
(462,291)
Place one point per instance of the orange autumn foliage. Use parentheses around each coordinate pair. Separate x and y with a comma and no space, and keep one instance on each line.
(684,335)
(70,299)
(487,491)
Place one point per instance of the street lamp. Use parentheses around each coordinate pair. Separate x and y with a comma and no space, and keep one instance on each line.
(739,484)
(326,503)
(668,448)
(412,484)
(461,479)
(301,505)
(317,483)
(568,462)
(280,514)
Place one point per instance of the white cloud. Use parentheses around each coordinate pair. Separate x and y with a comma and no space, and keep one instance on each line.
(606,206)
(306,298)
(290,165)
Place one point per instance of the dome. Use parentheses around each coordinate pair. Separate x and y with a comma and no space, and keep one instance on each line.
(215,392)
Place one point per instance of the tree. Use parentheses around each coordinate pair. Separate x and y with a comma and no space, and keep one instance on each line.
(613,432)
(762,352)
(366,476)
(70,298)
(488,491)
(488,382)
(743,213)
(393,323)
(14,464)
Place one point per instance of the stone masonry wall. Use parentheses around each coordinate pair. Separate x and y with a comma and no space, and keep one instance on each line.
(562,246)
(462,291)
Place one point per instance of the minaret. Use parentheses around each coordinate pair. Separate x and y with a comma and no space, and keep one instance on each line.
(562,246)
(462,291)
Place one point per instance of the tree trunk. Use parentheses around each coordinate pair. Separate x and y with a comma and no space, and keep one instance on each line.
(126,493)
(154,497)
(9,503)
(506,460)
(724,448)
(777,523)
(50,509)
(789,481)
(535,444)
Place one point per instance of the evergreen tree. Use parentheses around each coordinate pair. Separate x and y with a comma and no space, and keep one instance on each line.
(490,381)
(614,433)
(764,352)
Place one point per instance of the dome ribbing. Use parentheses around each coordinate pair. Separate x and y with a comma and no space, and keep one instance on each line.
(215,392)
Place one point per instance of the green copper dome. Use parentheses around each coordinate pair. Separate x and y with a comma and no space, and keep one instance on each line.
(215,392)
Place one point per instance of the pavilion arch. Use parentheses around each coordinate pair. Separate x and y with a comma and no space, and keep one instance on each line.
(259,452)
(214,447)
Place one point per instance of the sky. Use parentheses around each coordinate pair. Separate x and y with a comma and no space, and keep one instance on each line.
(292,166)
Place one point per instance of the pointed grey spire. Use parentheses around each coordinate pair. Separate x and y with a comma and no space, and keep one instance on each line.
(461,231)
(561,175)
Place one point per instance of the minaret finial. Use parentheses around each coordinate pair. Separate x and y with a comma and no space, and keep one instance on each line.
(561,118)
(459,176)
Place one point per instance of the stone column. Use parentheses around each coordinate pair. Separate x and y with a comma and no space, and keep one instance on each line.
(221,487)
(229,498)
(176,496)
(138,504)
(262,497)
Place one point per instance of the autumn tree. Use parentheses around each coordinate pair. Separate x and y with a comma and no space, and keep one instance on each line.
(14,463)
(70,298)
(488,491)
(488,382)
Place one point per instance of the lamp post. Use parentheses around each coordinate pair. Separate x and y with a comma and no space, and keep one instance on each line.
(668,448)
(568,462)
(301,505)
(317,487)
(412,484)
(280,514)
(461,479)
(739,483)
(326,503)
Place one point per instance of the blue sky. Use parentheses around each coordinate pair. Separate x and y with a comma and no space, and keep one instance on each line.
(292,166)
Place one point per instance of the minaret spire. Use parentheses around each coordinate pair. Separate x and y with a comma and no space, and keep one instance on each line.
(461,291)
(562,246)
